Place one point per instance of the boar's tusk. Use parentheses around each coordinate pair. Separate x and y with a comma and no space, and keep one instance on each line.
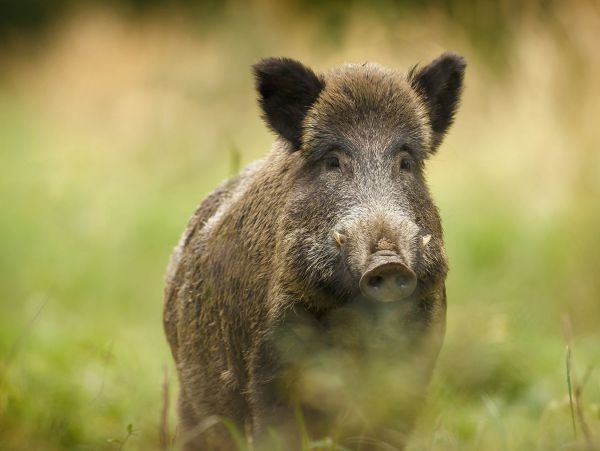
(426,239)
(339,238)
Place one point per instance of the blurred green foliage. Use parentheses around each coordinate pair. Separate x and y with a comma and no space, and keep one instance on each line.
(116,127)
(489,25)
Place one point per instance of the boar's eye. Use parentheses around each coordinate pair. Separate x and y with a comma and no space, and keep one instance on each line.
(407,164)
(332,163)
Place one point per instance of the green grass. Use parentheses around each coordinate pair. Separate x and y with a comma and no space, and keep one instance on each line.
(103,159)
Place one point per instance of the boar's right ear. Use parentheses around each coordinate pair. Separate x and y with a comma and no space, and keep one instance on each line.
(440,85)
(287,90)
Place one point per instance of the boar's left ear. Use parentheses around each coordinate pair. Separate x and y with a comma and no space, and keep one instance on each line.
(440,85)
(287,90)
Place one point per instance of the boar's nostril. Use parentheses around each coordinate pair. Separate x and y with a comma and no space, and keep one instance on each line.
(375,282)
(403,281)
(388,281)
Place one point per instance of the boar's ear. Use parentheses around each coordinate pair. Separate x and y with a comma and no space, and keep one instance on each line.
(440,85)
(287,89)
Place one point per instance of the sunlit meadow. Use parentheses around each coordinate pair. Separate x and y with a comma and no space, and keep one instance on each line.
(113,127)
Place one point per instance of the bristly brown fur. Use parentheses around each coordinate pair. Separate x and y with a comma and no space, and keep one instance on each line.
(266,275)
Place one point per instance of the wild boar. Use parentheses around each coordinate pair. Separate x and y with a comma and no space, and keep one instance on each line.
(307,295)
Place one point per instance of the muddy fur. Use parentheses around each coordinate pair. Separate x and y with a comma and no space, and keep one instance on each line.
(262,302)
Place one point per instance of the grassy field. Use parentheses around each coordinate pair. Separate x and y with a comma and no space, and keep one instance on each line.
(112,130)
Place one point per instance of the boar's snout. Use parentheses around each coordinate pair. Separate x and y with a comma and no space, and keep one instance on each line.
(387,278)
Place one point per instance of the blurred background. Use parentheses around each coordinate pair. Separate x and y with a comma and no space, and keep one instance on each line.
(118,117)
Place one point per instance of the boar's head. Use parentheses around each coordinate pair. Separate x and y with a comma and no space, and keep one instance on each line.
(360,221)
